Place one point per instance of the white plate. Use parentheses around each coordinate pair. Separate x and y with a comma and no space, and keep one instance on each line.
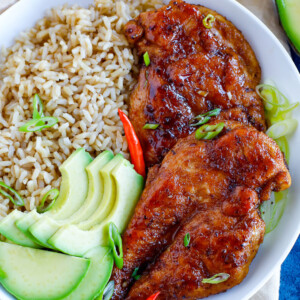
(276,64)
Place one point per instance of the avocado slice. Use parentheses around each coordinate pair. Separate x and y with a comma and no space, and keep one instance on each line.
(10,231)
(108,197)
(46,227)
(128,185)
(97,275)
(289,14)
(38,274)
(73,187)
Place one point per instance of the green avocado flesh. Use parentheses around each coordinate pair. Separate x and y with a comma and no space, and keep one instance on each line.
(127,186)
(107,189)
(73,192)
(289,13)
(38,274)
(9,229)
(47,226)
(97,275)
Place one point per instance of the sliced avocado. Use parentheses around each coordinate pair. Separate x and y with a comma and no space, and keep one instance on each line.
(46,227)
(128,185)
(289,14)
(26,220)
(72,187)
(10,231)
(38,274)
(97,275)
(108,197)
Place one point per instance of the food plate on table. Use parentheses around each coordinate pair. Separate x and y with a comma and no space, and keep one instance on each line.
(276,65)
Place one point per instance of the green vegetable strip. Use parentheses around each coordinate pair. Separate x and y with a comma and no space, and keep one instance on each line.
(282,128)
(146,59)
(186,240)
(272,210)
(37,107)
(135,274)
(150,126)
(115,242)
(218,278)
(18,199)
(108,291)
(204,118)
(52,195)
(278,115)
(283,144)
(208,21)
(208,132)
(38,124)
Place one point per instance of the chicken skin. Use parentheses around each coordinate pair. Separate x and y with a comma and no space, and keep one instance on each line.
(210,189)
(193,69)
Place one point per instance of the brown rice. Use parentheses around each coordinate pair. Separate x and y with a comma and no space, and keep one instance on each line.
(79,62)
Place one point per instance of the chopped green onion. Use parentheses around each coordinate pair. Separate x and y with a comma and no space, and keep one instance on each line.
(273,209)
(208,21)
(186,240)
(51,195)
(18,199)
(204,118)
(115,242)
(277,105)
(150,126)
(208,132)
(37,107)
(282,128)
(218,278)
(108,291)
(284,147)
(146,59)
(38,124)
(135,274)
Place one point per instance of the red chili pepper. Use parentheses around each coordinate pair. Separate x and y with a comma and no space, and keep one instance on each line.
(135,149)
(154,296)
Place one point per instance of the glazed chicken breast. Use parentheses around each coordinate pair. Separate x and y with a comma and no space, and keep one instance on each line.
(193,69)
(210,189)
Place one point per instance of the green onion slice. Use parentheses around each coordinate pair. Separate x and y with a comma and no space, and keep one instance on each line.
(135,274)
(204,118)
(146,59)
(208,21)
(273,209)
(282,128)
(108,291)
(115,242)
(218,278)
(274,98)
(186,240)
(37,107)
(17,200)
(38,124)
(208,132)
(283,144)
(150,126)
(51,195)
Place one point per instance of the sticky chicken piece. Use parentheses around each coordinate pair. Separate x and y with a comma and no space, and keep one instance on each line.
(219,244)
(226,175)
(193,70)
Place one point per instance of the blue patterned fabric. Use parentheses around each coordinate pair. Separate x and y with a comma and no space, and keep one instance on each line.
(290,269)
